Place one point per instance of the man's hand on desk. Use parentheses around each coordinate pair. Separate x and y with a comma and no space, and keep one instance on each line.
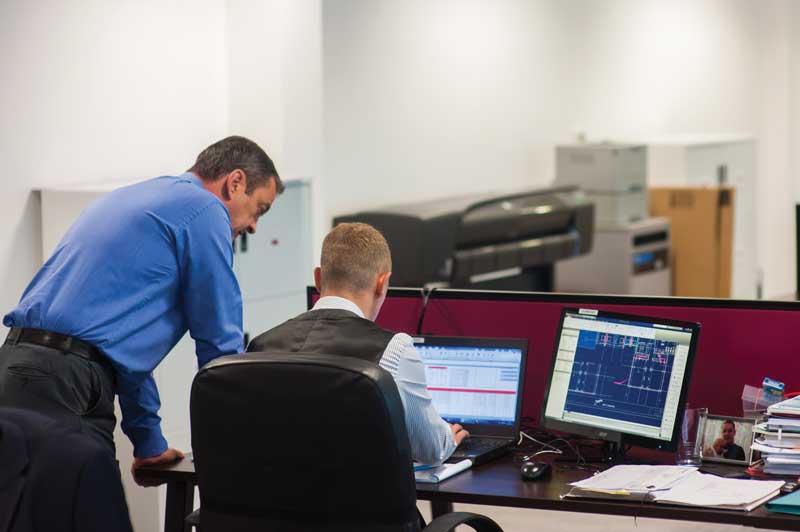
(459,433)
(167,457)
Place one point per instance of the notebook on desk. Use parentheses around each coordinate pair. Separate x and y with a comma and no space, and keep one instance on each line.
(477,383)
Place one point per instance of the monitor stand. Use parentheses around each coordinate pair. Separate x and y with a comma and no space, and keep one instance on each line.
(613,453)
(603,452)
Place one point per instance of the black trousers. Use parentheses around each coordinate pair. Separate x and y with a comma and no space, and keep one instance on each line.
(62,385)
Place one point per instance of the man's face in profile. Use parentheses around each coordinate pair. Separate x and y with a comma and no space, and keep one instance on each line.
(728,432)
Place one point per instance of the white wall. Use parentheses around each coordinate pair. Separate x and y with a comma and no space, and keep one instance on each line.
(275,95)
(95,91)
(777,134)
(432,98)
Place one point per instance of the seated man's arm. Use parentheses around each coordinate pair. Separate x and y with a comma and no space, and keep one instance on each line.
(432,439)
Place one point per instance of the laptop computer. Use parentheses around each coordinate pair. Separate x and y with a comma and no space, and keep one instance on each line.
(477,383)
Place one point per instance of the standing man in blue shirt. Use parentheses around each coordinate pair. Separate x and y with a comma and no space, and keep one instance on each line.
(138,268)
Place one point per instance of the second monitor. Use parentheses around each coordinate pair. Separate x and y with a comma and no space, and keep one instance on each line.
(620,378)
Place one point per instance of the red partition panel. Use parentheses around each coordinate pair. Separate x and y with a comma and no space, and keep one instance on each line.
(737,346)
(740,341)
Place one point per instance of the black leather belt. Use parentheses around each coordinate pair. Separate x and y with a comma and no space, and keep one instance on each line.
(62,342)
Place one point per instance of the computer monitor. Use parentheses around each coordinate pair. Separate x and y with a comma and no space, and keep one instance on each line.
(619,377)
(476,381)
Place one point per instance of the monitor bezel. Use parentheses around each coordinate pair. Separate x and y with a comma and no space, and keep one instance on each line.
(488,429)
(612,435)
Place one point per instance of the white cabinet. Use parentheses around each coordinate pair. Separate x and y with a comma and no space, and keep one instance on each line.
(274,265)
(738,161)
(276,260)
(264,314)
(700,162)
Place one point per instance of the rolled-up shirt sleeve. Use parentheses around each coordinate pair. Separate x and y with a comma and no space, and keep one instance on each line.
(431,438)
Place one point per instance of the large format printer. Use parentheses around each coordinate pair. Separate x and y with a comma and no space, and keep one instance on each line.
(484,241)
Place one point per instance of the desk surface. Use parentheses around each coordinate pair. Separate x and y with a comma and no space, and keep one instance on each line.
(498,483)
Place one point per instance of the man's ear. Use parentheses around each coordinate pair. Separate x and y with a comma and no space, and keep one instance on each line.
(235,181)
(318,279)
(382,284)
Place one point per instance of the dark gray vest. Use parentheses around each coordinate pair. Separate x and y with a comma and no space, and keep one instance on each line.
(328,332)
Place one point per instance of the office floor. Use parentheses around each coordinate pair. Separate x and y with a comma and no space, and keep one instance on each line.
(517,520)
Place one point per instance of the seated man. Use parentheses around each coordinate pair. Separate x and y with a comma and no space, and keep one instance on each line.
(352,280)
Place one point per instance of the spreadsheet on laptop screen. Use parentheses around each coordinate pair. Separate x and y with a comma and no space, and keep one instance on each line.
(470,384)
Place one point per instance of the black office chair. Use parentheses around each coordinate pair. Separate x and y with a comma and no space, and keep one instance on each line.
(53,478)
(299,442)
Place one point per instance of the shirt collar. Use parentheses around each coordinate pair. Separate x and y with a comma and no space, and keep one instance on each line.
(340,303)
(189,176)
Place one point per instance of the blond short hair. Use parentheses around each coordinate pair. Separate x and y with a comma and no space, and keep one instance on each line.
(353,255)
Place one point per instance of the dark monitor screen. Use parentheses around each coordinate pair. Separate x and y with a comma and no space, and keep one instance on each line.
(617,376)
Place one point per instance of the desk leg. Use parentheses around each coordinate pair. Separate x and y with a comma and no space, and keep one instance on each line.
(180,503)
(440,508)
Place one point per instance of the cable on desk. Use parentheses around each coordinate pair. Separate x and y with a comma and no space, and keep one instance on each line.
(550,447)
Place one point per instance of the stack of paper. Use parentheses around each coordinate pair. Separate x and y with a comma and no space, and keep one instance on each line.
(778,439)
(676,485)
(432,475)
(788,408)
(711,491)
(783,423)
(635,481)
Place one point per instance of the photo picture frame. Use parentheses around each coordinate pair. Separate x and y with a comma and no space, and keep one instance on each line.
(727,439)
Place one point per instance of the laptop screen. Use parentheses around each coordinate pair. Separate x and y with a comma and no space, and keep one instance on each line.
(474,380)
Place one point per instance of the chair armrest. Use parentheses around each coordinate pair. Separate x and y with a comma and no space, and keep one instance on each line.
(449,522)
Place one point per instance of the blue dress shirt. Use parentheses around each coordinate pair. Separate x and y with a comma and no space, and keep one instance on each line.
(140,267)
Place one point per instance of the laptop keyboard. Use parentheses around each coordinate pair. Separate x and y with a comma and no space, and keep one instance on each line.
(473,446)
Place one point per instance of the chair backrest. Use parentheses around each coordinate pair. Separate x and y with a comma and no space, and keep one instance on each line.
(292,441)
(55,478)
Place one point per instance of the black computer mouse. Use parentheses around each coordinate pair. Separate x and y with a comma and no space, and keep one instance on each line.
(535,470)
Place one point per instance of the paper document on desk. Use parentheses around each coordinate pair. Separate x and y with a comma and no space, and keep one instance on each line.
(442,472)
(677,485)
(759,446)
(633,479)
(789,406)
(710,491)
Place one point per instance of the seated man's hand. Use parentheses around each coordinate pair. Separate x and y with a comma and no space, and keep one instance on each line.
(459,433)
(167,457)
